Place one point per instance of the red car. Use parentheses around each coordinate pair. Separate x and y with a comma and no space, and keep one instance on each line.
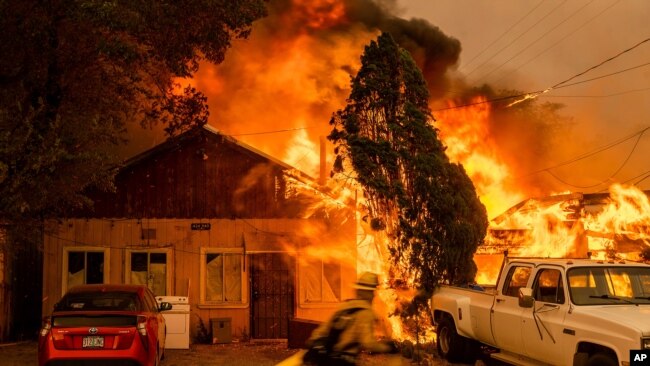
(104,325)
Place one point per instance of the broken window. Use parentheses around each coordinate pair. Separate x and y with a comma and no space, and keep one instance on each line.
(84,267)
(320,282)
(223,277)
(149,268)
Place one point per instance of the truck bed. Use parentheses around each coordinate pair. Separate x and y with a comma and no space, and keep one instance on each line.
(473,316)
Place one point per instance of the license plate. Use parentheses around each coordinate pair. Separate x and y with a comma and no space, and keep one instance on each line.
(93,342)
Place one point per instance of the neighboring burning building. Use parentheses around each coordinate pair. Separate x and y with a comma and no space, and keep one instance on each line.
(206,216)
(575,225)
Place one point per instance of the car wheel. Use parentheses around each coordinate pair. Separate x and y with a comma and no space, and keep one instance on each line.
(451,346)
(602,359)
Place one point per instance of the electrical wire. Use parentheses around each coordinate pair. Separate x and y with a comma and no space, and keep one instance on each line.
(502,35)
(537,40)
(602,63)
(596,96)
(644,178)
(535,95)
(517,38)
(598,150)
(272,131)
(571,33)
(540,93)
(604,76)
(608,179)
(646,174)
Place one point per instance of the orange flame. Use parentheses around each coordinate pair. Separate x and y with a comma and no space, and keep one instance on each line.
(295,80)
(468,139)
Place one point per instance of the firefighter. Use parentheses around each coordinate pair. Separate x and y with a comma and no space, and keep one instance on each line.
(339,341)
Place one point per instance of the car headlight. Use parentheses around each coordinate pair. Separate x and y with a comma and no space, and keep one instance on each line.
(645,343)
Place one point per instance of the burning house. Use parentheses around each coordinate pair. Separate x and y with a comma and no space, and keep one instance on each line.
(575,225)
(205,216)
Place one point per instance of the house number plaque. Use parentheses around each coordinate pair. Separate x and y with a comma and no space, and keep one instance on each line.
(200,226)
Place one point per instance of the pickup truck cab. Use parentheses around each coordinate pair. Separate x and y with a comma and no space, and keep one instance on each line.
(549,312)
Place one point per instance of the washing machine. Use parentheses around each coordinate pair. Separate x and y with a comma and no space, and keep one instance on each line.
(177,321)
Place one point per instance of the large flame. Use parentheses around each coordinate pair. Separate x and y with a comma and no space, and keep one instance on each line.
(559,225)
(465,132)
(277,90)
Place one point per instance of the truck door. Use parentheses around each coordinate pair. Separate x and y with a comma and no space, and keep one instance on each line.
(506,313)
(542,325)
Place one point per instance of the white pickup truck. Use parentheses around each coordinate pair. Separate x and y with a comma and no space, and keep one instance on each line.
(549,312)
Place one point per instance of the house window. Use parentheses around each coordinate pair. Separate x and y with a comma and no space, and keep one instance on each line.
(320,282)
(222,279)
(151,268)
(84,266)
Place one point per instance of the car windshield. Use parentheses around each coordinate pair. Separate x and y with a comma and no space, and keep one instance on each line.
(609,285)
(125,301)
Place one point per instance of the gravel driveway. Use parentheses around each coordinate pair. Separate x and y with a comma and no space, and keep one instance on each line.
(235,354)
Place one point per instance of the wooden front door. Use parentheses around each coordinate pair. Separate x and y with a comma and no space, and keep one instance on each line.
(272,293)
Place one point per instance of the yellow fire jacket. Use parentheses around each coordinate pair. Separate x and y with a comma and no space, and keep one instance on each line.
(359,332)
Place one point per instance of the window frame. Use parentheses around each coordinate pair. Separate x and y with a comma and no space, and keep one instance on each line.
(168,275)
(302,296)
(560,285)
(505,291)
(65,253)
(244,303)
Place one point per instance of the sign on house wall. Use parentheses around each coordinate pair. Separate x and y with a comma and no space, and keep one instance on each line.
(200,226)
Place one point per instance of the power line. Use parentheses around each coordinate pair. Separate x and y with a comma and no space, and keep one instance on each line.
(611,176)
(503,34)
(535,95)
(539,93)
(602,63)
(558,41)
(608,146)
(538,39)
(641,180)
(595,96)
(604,76)
(521,35)
(645,176)
(272,131)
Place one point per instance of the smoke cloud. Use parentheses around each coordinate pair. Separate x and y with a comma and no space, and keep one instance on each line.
(294,71)
(278,89)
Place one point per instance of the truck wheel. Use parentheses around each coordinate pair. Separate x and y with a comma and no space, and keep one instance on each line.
(601,359)
(451,346)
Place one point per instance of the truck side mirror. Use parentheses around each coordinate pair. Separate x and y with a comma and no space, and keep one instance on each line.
(526,299)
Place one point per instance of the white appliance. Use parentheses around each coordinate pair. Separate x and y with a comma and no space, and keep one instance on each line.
(178,321)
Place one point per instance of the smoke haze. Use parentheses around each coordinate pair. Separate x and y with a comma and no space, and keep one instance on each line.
(278,89)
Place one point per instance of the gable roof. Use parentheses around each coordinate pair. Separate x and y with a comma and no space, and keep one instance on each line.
(179,140)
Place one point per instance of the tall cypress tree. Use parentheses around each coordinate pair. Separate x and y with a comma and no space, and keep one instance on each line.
(427,204)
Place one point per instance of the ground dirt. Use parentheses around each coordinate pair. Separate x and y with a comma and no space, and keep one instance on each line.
(233,354)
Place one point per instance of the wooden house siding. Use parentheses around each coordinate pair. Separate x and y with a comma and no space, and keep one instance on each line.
(119,236)
(204,176)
